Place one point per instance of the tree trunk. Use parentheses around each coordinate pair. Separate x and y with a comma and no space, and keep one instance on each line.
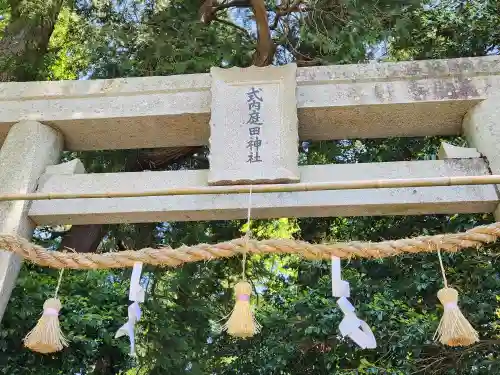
(266,48)
(26,38)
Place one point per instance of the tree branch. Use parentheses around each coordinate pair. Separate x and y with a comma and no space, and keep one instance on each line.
(266,48)
(209,8)
(295,7)
(229,23)
(232,4)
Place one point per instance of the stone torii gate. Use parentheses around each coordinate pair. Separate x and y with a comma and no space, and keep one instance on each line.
(252,119)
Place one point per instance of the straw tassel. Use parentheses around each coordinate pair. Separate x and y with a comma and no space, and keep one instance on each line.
(241,322)
(453,329)
(47,337)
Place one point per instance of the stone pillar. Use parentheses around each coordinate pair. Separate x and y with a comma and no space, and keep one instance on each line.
(481,127)
(28,149)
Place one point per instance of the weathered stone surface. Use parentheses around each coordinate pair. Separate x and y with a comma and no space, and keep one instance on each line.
(253,128)
(408,201)
(449,151)
(27,150)
(70,167)
(481,127)
(334,102)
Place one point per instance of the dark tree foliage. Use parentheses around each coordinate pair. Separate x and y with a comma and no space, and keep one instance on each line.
(184,307)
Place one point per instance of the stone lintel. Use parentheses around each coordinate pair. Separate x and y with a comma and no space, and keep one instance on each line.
(404,201)
(418,98)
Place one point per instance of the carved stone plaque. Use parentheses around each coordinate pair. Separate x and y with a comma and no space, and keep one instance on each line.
(253,126)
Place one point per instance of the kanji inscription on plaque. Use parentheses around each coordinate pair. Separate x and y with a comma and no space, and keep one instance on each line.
(253,126)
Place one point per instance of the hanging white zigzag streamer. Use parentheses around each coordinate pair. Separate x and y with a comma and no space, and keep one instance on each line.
(351,325)
(136,295)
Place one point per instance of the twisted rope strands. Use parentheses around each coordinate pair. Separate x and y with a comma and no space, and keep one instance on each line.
(185,254)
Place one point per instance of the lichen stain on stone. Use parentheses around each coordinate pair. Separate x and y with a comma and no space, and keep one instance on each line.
(352,93)
(379,92)
(413,69)
(436,67)
(456,89)
(418,92)
(383,93)
(312,74)
(488,87)
(486,65)
(461,67)
(407,69)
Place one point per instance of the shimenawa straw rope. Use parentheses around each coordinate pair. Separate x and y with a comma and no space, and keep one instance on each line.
(472,238)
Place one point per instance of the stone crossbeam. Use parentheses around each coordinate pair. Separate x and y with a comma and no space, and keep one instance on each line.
(401,201)
(420,98)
